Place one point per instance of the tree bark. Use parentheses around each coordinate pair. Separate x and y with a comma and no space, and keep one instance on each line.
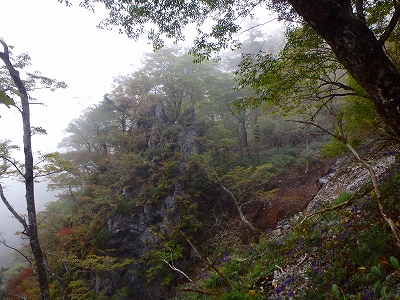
(359,50)
(31,231)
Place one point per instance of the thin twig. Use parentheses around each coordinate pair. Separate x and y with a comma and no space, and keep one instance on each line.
(341,137)
(377,191)
(14,165)
(326,209)
(177,270)
(206,261)
(238,206)
(3,242)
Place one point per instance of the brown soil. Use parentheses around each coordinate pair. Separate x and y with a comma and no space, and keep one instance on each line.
(295,188)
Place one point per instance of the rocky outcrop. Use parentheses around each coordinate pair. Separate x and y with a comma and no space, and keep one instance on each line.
(130,236)
(130,233)
(344,175)
(347,176)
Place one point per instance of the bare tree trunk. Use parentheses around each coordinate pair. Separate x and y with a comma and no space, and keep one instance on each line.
(238,206)
(31,229)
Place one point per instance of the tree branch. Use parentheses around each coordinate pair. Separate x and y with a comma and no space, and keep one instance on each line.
(340,138)
(177,270)
(57,278)
(371,172)
(31,226)
(377,191)
(326,210)
(206,261)
(12,210)
(5,56)
(3,242)
(360,10)
(335,83)
(14,165)
(392,24)
(238,207)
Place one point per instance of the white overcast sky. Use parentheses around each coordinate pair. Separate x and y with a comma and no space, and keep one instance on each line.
(65,44)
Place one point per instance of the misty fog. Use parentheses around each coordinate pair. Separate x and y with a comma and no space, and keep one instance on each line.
(15,193)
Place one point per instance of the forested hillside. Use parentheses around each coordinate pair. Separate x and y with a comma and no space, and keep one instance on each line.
(167,165)
(270,173)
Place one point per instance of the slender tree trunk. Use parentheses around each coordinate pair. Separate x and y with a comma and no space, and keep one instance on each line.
(360,52)
(32,230)
(30,202)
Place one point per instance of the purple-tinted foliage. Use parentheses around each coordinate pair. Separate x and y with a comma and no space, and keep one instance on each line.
(315,205)
(354,208)
(296,248)
(282,286)
(202,275)
(367,294)
(315,226)
(315,265)
(384,177)
(225,257)
(342,235)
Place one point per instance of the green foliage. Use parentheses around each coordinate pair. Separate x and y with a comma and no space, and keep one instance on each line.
(236,296)
(80,290)
(382,287)
(188,213)
(244,179)
(298,80)
(356,122)
(335,291)
(360,118)
(100,263)
(170,249)
(7,101)
(343,197)
(8,163)
(395,263)
(279,157)
(333,148)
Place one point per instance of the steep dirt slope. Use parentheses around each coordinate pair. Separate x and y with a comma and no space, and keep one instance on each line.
(295,188)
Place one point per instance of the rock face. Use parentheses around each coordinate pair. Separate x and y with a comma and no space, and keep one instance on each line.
(130,234)
(347,175)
